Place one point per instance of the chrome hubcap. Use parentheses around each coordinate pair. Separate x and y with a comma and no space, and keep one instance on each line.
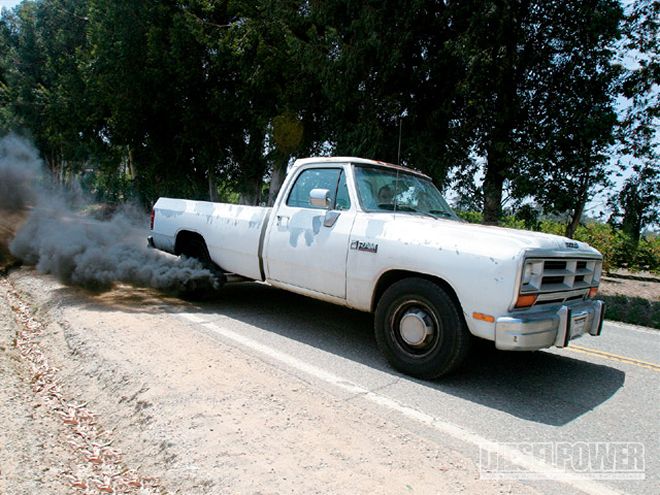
(416,327)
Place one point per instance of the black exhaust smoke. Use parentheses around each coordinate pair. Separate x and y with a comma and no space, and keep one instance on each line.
(77,248)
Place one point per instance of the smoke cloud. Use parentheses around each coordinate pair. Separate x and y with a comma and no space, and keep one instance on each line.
(20,168)
(77,248)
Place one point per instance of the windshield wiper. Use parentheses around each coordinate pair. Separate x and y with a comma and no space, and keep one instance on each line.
(442,213)
(409,209)
(391,207)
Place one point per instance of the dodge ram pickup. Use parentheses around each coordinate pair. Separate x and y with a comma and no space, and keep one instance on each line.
(380,238)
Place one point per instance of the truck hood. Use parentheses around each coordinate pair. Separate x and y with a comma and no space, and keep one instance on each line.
(482,239)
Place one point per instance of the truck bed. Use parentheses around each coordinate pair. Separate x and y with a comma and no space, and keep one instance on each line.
(233,233)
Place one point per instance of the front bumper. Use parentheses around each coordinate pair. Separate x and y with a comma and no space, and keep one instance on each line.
(544,329)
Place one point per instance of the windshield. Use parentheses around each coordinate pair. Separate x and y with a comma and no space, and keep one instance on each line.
(385,190)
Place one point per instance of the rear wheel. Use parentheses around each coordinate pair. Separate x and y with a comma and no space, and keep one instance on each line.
(420,329)
(193,246)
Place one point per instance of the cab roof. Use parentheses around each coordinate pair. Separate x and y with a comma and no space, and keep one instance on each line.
(352,159)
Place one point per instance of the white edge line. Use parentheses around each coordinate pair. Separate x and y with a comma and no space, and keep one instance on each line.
(510,454)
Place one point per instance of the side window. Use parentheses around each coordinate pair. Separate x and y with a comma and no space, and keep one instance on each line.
(332,179)
(343,199)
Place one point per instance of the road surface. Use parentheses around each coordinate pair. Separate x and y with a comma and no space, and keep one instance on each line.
(576,420)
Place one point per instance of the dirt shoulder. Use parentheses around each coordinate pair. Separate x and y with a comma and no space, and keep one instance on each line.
(32,455)
(644,289)
(186,414)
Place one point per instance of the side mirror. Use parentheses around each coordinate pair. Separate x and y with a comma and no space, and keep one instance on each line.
(320,198)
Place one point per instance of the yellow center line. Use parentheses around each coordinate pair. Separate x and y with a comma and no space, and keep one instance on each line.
(614,357)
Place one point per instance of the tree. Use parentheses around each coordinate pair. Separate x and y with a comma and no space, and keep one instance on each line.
(133,85)
(259,77)
(389,68)
(43,89)
(187,97)
(539,96)
(165,91)
(578,123)
(637,204)
(491,46)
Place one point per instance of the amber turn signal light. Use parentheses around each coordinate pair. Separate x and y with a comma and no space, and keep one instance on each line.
(592,292)
(526,300)
(483,317)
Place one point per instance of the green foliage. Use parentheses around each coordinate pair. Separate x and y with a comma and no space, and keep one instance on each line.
(637,204)
(529,215)
(573,138)
(605,239)
(633,310)
(648,254)
(539,92)
(512,222)
(43,90)
(287,133)
(614,244)
(470,216)
(552,227)
(108,187)
(639,85)
(201,98)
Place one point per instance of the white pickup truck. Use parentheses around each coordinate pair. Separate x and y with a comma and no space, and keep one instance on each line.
(380,238)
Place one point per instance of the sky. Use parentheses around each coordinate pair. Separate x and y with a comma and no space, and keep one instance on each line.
(9,3)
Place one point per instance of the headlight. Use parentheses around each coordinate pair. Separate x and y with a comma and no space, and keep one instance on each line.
(598,269)
(532,273)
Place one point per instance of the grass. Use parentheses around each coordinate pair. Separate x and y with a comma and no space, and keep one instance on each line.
(634,310)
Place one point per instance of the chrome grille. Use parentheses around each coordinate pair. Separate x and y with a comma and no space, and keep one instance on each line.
(573,276)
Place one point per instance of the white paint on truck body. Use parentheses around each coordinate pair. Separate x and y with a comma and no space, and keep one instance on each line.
(480,263)
(300,253)
(343,262)
(231,232)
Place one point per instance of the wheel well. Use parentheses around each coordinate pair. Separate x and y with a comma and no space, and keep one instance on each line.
(388,278)
(191,244)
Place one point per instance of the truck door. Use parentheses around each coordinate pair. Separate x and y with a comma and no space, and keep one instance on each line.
(307,246)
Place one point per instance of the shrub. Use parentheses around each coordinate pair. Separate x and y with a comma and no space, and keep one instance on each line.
(611,243)
(514,223)
(648,255)
(633,310)
(552,227)
(470,216)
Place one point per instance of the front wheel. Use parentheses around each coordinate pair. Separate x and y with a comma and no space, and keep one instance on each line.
(420,329)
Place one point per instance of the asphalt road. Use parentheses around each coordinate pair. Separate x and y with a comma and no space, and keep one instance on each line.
(565,405)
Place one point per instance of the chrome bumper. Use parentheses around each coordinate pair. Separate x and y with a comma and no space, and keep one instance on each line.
(534,331)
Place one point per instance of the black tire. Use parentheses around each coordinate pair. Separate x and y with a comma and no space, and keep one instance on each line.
(201,290)
(420,329)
